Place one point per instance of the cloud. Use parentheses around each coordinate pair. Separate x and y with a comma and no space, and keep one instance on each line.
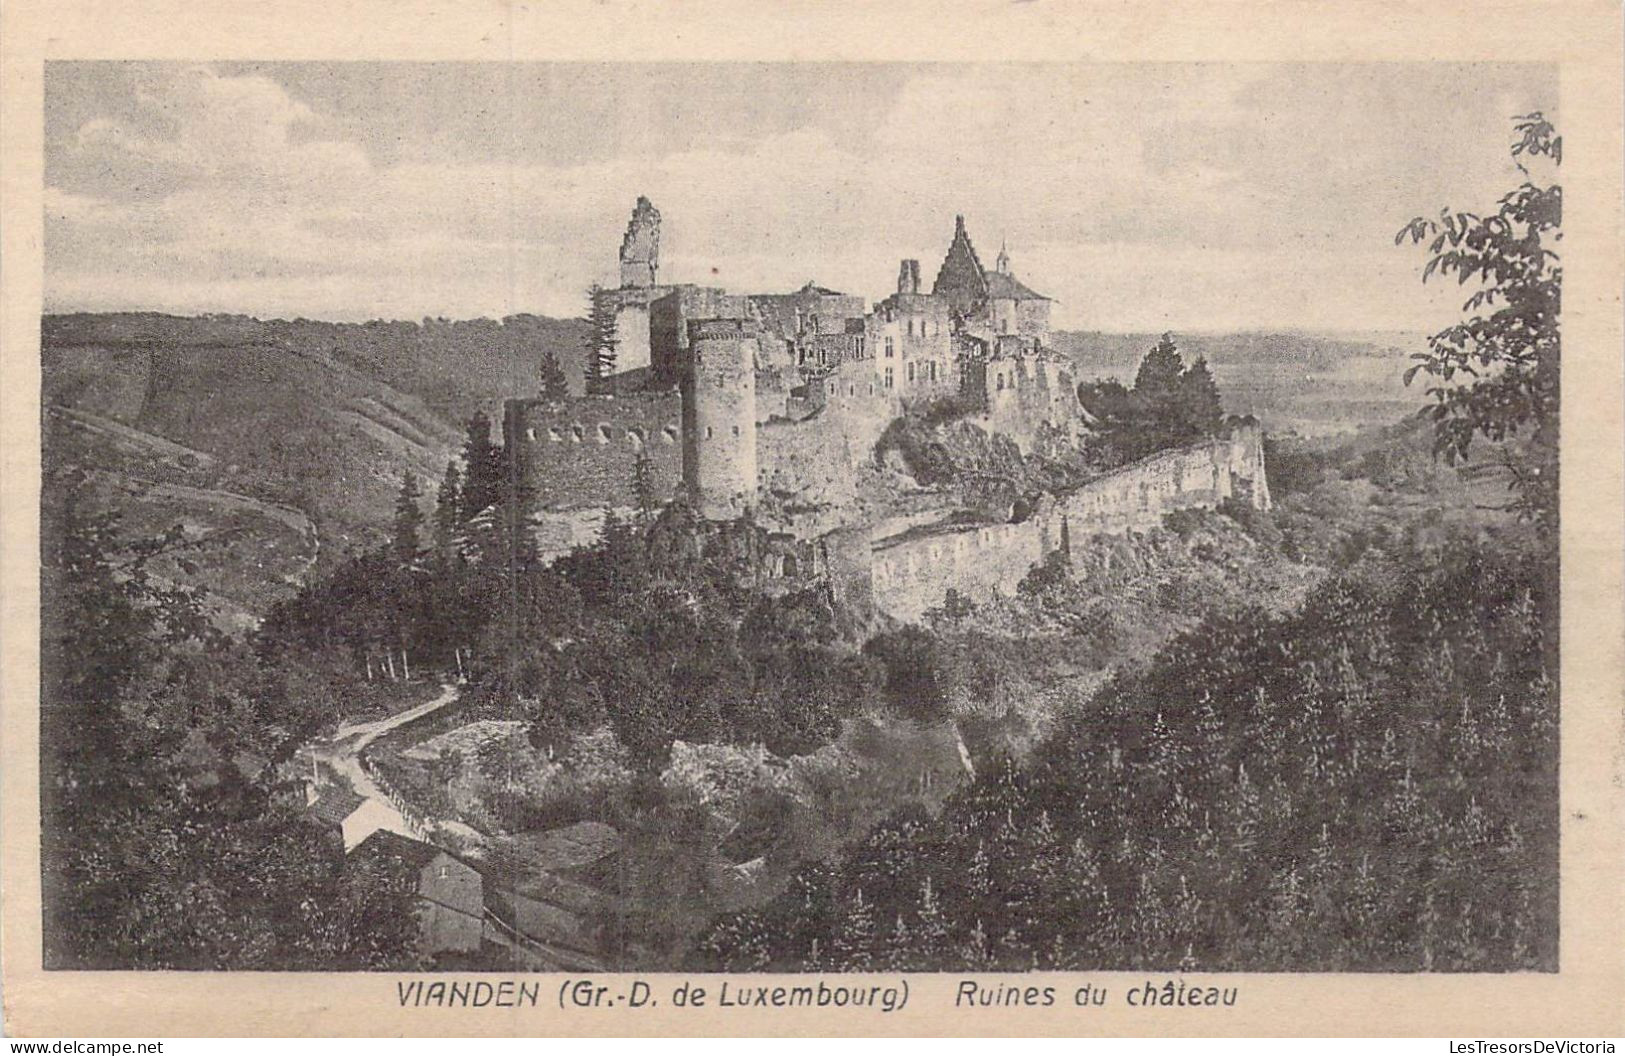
(1140,197)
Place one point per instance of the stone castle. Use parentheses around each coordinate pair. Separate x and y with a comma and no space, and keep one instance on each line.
(770,406)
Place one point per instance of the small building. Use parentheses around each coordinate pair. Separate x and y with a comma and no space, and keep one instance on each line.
(451,893)
(352,816)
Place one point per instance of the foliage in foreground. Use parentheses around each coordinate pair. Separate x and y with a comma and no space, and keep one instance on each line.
(1368,784)
(165,840)
(1497,373)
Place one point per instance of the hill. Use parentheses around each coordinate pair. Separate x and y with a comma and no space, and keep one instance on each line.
(276,445)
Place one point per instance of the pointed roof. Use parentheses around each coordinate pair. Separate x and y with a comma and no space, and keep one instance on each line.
(961,278)
(966,284)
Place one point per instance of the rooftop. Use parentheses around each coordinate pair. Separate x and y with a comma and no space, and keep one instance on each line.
(335,804)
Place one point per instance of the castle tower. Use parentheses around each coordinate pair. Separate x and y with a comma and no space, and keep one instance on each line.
(1002,265)
(719,417)
(640,247)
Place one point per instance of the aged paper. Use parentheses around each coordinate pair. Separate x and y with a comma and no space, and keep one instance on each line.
(816,519)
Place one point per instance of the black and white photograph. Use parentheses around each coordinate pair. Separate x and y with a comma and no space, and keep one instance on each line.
(801,517)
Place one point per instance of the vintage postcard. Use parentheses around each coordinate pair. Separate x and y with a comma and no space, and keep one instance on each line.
(985,519)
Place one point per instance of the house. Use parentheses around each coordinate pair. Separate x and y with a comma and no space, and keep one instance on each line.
(451,893)
(352,816)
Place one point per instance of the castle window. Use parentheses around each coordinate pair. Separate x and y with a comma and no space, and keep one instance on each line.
(577,434)
(911,327)
(888,348)
(933,370)
(530,434)
(1001,382)
(554,436)
(709,433)
(603,433)
(888,377)
(669,434)
(635,438)
(911,372)
(736,430)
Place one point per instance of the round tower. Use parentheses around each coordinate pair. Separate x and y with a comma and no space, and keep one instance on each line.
(719,412)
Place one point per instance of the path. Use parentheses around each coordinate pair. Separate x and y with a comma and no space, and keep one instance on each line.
(344,750)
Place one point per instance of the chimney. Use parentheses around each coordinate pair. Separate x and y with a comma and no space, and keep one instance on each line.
(908,277)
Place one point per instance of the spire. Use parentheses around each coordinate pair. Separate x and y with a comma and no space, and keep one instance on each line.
(961,278)
(1002,265)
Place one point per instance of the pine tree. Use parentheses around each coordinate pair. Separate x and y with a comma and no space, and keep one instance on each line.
(553,383)
(408,520)
(1159,371)
(482,467)
(931,931)
(602,341)
(854,943)
(1200,407)
(446,518)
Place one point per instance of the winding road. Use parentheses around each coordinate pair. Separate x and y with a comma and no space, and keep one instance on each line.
(343,753)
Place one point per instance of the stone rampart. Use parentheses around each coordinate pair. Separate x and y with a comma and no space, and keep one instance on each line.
(913,571)
(584,451)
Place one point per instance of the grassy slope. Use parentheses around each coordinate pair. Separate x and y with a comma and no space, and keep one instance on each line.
(283,444)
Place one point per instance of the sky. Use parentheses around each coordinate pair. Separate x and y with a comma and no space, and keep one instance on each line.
(1141,197)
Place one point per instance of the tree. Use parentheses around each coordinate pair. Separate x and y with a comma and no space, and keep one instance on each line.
(602,340)
(643,489)
(553,382)
(446,502)
(157,849)
(408,520)
(1200,407)
(1509,343)
(1170,405)
(482,468)
(1160,370)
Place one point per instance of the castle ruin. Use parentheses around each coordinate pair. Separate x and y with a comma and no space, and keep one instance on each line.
(770,405)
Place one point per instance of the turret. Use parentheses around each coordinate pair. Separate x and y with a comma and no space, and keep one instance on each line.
(719,417)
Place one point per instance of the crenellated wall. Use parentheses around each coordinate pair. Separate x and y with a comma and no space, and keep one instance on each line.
(913,572)
(584,451)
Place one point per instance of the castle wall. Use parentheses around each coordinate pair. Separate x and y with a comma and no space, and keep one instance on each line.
(583,451)
(631,335)
(913,572)
(853,402)
(804,475)
(1020,394)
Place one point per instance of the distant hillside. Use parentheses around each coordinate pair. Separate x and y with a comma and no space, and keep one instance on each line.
(1294,382)
(1309,350)
(281,443)
(455,368)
